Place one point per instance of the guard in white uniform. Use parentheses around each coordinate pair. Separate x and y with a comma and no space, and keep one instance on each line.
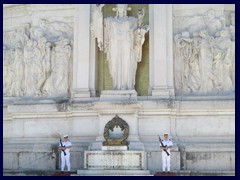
(165,158)
(65,159)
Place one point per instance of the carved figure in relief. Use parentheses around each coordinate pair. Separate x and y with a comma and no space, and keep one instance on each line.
(189,52)
(232,33)
(53,31)
(44,62)
(28,60)
(17,88)
(61,58)
(194,80)
(123,41)
(37,33)
(206,61)
(28,57)
(22,34)
(213,23)
(232,19)
(11,38)
(222,62)
(31,68)
(232,26)
(8,70)
(184,43)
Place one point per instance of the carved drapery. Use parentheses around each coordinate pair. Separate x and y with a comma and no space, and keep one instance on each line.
(121,38)
(205,55)
(37,60)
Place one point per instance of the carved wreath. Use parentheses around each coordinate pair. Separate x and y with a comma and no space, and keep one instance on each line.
(116,122)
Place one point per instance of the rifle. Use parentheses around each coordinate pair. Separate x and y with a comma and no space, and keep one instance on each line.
(62,146)
(163,146)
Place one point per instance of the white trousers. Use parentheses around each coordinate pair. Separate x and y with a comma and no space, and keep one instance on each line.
(65,161)
(165,161)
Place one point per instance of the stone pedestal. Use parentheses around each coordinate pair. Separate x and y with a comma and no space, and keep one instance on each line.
(110,162)
(119,95)
(114,160)
(113,173)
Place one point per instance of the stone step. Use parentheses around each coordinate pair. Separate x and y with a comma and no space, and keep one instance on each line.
(195,173)
(101,172)
(117,173)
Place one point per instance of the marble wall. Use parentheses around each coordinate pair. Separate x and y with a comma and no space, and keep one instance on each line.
(186,86)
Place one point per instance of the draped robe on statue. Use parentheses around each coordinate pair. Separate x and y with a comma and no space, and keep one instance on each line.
(119,46)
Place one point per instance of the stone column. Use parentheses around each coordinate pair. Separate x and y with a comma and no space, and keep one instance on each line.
(93,67)
(82,46)
(93,63)
(161,54)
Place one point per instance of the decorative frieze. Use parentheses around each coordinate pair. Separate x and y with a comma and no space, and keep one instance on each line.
(205,54)
(37,60)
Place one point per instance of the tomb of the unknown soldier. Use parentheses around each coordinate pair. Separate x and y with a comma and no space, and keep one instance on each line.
(118,89)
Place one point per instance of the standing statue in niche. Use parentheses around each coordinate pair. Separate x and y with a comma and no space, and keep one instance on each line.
(123,40)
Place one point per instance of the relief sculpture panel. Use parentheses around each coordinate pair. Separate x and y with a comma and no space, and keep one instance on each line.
(205,54)
(37,60)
